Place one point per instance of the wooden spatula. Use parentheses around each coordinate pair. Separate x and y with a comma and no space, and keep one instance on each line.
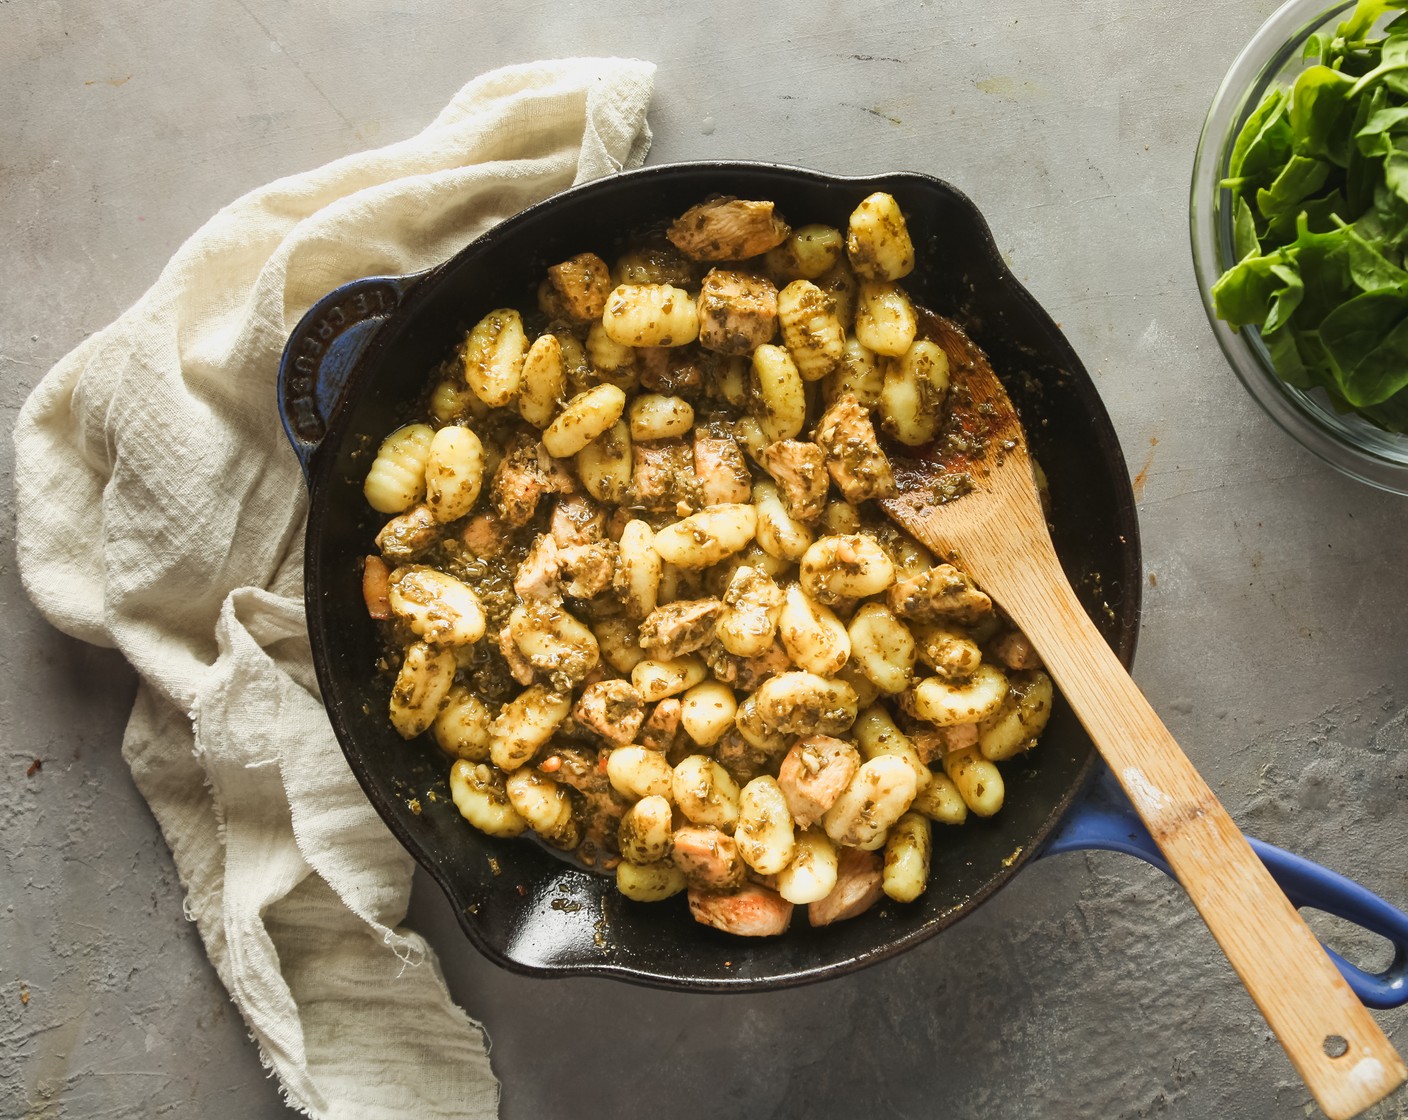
(996,531)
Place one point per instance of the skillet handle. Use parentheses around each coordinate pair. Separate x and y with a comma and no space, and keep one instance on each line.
(323,350)
(1102,822)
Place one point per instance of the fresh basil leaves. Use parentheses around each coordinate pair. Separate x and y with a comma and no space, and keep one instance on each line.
(1318,178)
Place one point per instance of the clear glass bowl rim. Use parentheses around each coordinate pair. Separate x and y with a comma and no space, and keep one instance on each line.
(1346,442)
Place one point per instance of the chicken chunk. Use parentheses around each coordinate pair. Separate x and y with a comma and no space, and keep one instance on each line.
(932,743)
(519,667)
(853,456)
(576,289)
(672,370)
(942,593)
(814,773)
(484,535)
(662,729)
(859,879)
(613,710)
(740,758)
(577,519)
(519,482)
(376,577)
(751,912)
(727,229)
(537,576)
(708,858)
(407,535)
(721,471)
(799,469)
(663,474)
(737,311)
(680,627)
(587,568)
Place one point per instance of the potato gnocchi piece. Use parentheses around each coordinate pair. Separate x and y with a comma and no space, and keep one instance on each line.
(886,322)
(525,724)
(707,537)
(809,251)
(764,832)
(883,788)
(840,518)
(776,393)
(950,653)
(907,855)
(877,242)
(798,703)
(810,329)
(779,534)
(1015,726)
(609,361)
(812,634)
(638,772)
(454,473)
(552,640)
(882,647)
(940,801)
(655,680)
(637,579)
(452,400)
(493,357)
(859,373)
(436,606)
(913,393)
(422,684)
(705,792)
(840,284)
(649,882)
(585,417)
(650,315)
(945,703)
(396,480)
(462,727)
(617,643)
(877,734)
(545,806)
(707,711)
(752,607)
(606,465)
(756,731)
(811,875)
(656,416)
(978,781)
(544,381)
(479,794)
(834,569)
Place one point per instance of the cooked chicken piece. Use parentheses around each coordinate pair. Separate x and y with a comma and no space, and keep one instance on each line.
(815,772)
(407,535)
(519,482)
(577,519)
(576,289)
(601,806)
(519,667)
(672,370)
(662,729)
(587,568)
(751,912)
(932,743)
(663,474)
(484,535)
(1015,650)
(753,671)
(721,471)
(708,858)
(376,577)
(679,628)
(853,455)
(613,710)
(617,522)
(859,876)
(727,229)
(938,594)
(799,469)
(737,311)
(537,576)
(740,758)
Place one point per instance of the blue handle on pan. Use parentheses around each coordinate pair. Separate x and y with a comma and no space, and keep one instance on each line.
(323,350)
(1104,820)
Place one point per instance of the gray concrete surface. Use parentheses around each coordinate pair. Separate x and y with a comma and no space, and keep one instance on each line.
(1273,643)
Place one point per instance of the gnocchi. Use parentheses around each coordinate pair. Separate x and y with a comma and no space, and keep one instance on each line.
(632,581)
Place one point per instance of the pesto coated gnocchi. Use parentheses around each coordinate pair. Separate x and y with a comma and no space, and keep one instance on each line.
(635,586)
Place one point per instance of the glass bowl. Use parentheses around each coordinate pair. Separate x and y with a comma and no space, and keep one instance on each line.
(1344,440)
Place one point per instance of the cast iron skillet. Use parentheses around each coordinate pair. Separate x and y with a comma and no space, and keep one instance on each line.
(354,370)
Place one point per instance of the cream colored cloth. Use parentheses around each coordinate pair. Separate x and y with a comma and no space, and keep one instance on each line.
(161,512)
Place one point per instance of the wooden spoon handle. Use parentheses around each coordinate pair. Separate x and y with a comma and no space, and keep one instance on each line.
(1334,1043)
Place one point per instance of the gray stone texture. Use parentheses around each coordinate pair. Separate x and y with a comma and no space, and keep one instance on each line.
(1273,642)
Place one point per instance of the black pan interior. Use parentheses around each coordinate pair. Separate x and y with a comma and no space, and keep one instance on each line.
(524,906)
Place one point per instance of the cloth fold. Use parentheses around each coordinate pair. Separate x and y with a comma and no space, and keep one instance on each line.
(160,511)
